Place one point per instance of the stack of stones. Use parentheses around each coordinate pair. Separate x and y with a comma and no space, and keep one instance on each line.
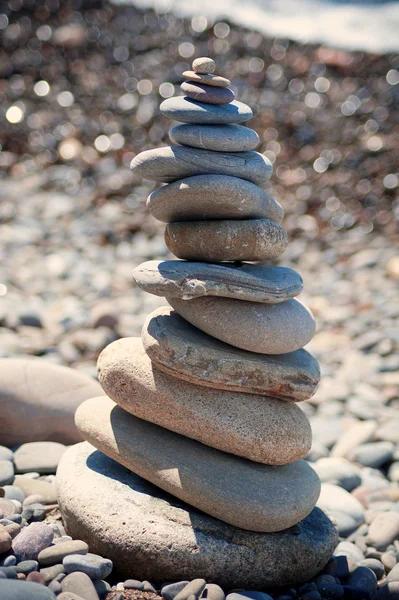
(204,404)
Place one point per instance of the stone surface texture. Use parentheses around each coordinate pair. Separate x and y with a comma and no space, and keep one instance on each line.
(207,78)
(226,240)
(176,162)
(212,196)
(243,281)
(259,428)
(183,109)
(152,535)
(222,138)
(204,64)
(185,352)
(262,328)
(207,93)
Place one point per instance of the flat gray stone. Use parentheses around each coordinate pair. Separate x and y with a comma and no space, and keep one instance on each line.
(227,240)
(187,353)
(222,138)
(95,566)
(38,401)
(150,534)
(203,197)
(181,108)
(209,94)
(259,428)
(253,496)
(176,162)
(263,328)
(188,280)
(216,80)
(80,584)
(56,553)
(42,457)
(12,589)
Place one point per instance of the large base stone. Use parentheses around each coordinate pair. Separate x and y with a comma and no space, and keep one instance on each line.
(148,534)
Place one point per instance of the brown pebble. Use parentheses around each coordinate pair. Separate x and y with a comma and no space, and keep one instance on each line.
(36,577)
(21,576)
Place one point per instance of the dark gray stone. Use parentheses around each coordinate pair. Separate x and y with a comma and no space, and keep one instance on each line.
(209,94)
(222,138)
(95,566)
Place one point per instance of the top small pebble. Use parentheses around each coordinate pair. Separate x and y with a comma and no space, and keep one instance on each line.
(204,65)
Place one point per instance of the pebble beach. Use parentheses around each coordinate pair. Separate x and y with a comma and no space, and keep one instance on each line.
(82,89)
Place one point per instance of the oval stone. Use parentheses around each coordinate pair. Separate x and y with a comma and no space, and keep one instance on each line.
(218,241)
(207,93)
(181,108)
(204,197)
(216,80)
(204,64)
(222,138)
(188,280)
(253,496)
(259,428)
(175,162)
(38,401)
(263,328)
(151,535)
(185,352)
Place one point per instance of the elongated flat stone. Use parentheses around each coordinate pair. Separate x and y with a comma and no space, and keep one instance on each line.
(262,429)
(242,281)
(182,350)
(207,93)
(253,496)
(152,535)
(222,138)
(176,162)
(204,197)
(218,241)
(216,80)
(181,108)
(264,328)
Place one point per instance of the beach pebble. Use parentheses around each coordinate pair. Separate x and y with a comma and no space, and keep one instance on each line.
(350,550)
(338,471)
(7,508)
(361,583)
(55,554)
(42,457)
(375,565)
(213,592)
(193,199)
(183,109)
(209,94)
(170,591)
(36,577)
(360,433)
(50,573)
(6,454)
(95,566)
(5,540)
(207,78)
(133,584)
(30,487)
(262,328)
(193,588)
(226,240)
(102,588)
(171,163)
(389,591)
(28,566)
(32,540)
(383,530)
(24,590)
(373,455)
(338,501)
(222,138)
(6,472)
(12,492)
(79,583)
(203,64)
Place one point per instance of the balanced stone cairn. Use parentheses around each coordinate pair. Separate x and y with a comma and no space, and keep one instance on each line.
(204,404)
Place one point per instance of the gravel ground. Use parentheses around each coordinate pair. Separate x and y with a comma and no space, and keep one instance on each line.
(80,100)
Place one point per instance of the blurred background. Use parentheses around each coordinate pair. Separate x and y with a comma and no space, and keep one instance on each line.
(81,83)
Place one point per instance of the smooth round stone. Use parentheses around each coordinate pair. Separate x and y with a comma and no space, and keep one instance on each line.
(37,487)
(153,535)
(222,138)
(42,457)
(208,78)
(6,454)
(6,472)
(12,492)
(185,110)
(207,93)
(218,241)
(55,554)
(253,496)
(38,401)
(259,428)
(188,280)
(80,584)
(31,540)
(203,64)
(383,530)
(95,566)
(171,163)
(194,589)
(12,589)
(187,353)
(263,328)
(374,454)
(336,501)
(204,197)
